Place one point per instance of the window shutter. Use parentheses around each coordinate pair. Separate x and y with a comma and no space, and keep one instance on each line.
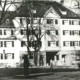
(63,22)
(20,20)
(70,32)
(12,43)
(5,56)
(12,33)
(5,44)
(22,43)
(63,32)
(57,43)
(63,43)
(71,43)
(70,22)
(1,43)
(21,31)
(48,43)
(56,32)
(12,55)
(56,21)
(79,32)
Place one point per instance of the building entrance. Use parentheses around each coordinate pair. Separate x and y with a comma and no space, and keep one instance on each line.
(50,56)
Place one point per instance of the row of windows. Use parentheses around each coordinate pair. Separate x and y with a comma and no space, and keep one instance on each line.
(30,32)
(53,32)
(35,20)
(52,21)
(71,22)
(31,43)
(5,32)
(7,43)
(7,56)
(64,22)
(71,43)
(71,32)
(53,43)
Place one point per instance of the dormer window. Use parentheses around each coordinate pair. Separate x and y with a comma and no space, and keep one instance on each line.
(34,11)
(64,12)
(7,21)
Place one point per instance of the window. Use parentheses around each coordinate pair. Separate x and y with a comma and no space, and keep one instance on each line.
(49,21)
(4,32)
(1,43)
(56,32)
(66,43)
(57,43)
(24,43)
(0,32)
(7,21)
(23,32)
(20,20)
(9,56)
(5,56)
(65,22)
(1,56)
(48,43)
(76,43)
(56,21)
(12,43)
(77,57)
(69,22)
(53,43)
(79,22)
(57,57)
(12,32)
(48,32)
(5,44)
(76,32)
(65,32)
(72,22)
(53,32)
(12,55)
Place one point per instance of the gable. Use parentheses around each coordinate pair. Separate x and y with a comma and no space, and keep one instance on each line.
(51,13)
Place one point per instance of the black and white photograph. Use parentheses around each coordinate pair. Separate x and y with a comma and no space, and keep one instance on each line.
(39,39)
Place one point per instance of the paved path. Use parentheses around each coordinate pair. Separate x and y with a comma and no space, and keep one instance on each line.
(51,76)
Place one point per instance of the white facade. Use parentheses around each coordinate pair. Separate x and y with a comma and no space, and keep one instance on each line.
(60,42)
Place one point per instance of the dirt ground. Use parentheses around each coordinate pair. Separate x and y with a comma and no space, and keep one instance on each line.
(53,76)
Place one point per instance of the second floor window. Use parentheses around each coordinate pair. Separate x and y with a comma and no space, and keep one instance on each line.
(20,20)
(12,32)
(23,32)
(4,32)
(0,32)
(1,43)
(53,43)
(49,21)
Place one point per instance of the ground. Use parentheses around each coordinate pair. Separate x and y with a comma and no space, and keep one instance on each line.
(53,76)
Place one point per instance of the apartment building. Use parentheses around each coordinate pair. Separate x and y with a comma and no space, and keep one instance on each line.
(60,31)
(61,42)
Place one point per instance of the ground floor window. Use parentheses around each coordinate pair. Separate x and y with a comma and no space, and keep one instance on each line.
(7,56)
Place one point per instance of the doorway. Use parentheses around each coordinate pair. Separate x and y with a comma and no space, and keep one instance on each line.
(50,56)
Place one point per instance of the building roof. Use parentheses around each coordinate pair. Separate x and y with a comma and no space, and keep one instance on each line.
(42,6)
(7,20)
